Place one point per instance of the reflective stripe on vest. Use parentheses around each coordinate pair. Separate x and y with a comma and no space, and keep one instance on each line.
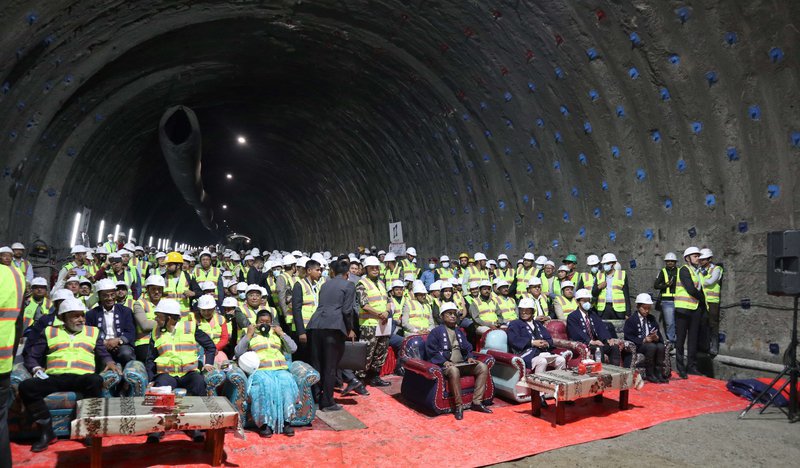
(397,307)
(683,300)
(268,349)
(476,274)
(617,291)
(507,308)
(523,276)
(666,294)
(175,288)
(409,267)
(250,314)
(143,337)
(11,292)
(213,327)
(310,299)
(392,274)
(419,315)
(70,353)
(177,351)
(29,314)
(712,292)
(444,273)
(567,305)
(376,298)
(212,275)
(486,310)
(507,275)
(587,280)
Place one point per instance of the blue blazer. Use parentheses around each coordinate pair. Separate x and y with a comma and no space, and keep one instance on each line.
(123,322)
(634,331)
(438,347)
(576,328)
(520,336)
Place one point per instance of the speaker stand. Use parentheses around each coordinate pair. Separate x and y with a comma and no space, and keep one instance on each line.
(791,370)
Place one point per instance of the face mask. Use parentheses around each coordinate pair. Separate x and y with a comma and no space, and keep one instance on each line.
(586,306)
(242,295)
(276,273)
(445,264)
(431,266)
(503,263)
(594,269)
(325,274)
(606,267)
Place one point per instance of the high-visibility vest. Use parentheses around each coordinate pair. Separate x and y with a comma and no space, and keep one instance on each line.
(268,349)
(70,353)
(70,265)
(377,298)
(143,337)
(546,285)
(22,268)
(11,292)
(110,246)
(419,315)
(201,275)
(587,279)
(507,275)
(444,273)
(712,292)
(476,274)
(523,276)
(92,269)
(244,270)
(487,311)
(290,281)
(129,301)
(310,300)
(459,300)
(398,307)
(567,305)
(177,351)
(175,287)
(212,327)
(30,315)
(506,307)
(409,267)
(392,274)
(666,294)
(682,298)
(273,288)
(617,291)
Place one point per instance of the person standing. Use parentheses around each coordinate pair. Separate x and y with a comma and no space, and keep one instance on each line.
(305,297)
(22,265)
(12,289)
(374,311)
(690,303)
(665,283)
(712,285)
(330,325)
(611,290)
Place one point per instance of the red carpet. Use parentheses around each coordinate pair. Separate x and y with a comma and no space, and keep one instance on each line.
(398,435)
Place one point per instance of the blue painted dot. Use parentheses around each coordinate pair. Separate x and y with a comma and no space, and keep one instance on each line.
(629,212)
(555,243)
(466,209)
(540,216)
(507,151)
(507,245)
(509,123)
(640,174)
(731,38)
(484,105)
(564,111)
(32,17)
(668,203)
(648,234)
(774,348)
(615,151)
(633,264)
(487,133)
(594,95)
(470,165)
(486,246)
(565,216)
(533,143)
(6,87)
(582,159)
(596,212)
(697,127)
(684,13)
(655,135)
(733,153)
(482,210)
(633,73)
(754,112)
(557,136)
(743,228)
(452,211)
(525,199)
(681,165)
(456,171)
(540,122)
(776,54)
(556,165)
(773,191)
(530,245)
(529,168)
(465,117)
(501,204)
(587,127)
(795,137)
(711,200)
(612,236)
(575,192)
(469,188)
(68,78)
(559,73)
(582,232)
(604,186)
(635,40)
(71,152)
(664,94)
(507,96)
(486,158)
(620,111)
(548,195)
(531,87)
(711,78)
(675,59)
(591,52)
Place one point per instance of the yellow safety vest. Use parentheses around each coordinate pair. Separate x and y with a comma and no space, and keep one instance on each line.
(507,308)
(22,268)
(29,314)
(11,291)
(409,267)
(177,351)
(310,300)
(682,298)
(567,305)
(507,275)
(587,278)
(712,292)
(269,351)
(617,291)
(175,288)
(486,310)
(420,315)
(523,276)
(376,298)
(70,353)
(251,315)
(546,285)
(393,274)
(110,246)
(476,274)
(459,300)
(201,275)
(444,273)
(70,265)
(290,281)
(213,327)
(143,337)
(666,294)
(273,289)
(398,307)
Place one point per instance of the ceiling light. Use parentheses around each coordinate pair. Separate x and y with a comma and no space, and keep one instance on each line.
(241,140)
(224,207)
(229,175)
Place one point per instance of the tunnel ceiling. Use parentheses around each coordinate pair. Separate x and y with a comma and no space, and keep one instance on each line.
(498,126)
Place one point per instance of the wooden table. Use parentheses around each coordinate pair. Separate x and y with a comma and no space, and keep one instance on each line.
(100,417)
(568,385)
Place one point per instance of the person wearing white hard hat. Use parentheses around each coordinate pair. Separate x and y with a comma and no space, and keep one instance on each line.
(144,314)
(541,305)
(476,272)
(428,275)
(305,298)
(205,272)
(73,283)
(119,271)
(445,269)
(540,261)
(417,317)
(611,290)
(172,358)
(37,305)
(642,330)
(372,300)
(284,285)
(551,285)
(506,305)
(585,326)
(711,274)
(398,299)
(565,304)
(213,324)
(245,267)
(409,264)
(504,269)
(435,291)
(587,279)
(6,256)
(115,322)
(690,305)
(272,277)
(70,351)
(483,310)
(123,295)
(530,340)
(665,284)
(448,347)
(523,275)
(76,267)
(391,270)
(491,265)
(110,245)
(248,309)
(20,263)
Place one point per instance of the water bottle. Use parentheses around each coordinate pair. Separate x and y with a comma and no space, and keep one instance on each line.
(598,355)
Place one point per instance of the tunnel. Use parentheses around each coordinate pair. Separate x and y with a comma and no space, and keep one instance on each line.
(550,127)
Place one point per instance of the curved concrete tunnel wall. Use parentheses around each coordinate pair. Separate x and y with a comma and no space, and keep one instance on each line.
(554,127)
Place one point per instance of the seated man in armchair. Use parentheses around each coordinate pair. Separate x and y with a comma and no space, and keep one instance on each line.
(641,328)
(447,346)
(586,326)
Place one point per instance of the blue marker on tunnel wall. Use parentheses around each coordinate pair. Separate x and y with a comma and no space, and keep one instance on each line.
(648,234)
(692,232)
(612,236)
(582,232)
(540,122)
(470,165)
(556,165)
(683,14)
(620,111)
(555,243)
(486,158)
(507,151)
(754,112)
(531,244)
(664,94)
(633,264)
(559,73)
(6,87)
(575,192)
(507,96)
(486,246)
(483,105)
(596,212)
(565,216)
(640,174)
(533,143)
(774,348)
(733,153)
(655,135)
(775,54)
(587,127)
(531,87)
(743,228)
(731,38)
(711,200)
(487,133)
(548,195)
(697,127)
(633,73)
(32,18)
(508,245)
(635,39)
(681,165)
(469,188)
(711,78)
(501,204)
(564,111)
(540,216)
(668,203)
(525,199)
(594,95)
(529,168)
(795,137)
(509,123)
(773,191)
(675,59)
(557,136)
(615,151)
(604,185)
(465,117)
(591,52)
(582,159)
(629,212)
(482,210)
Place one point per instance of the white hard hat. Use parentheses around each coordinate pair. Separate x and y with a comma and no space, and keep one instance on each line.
(206,301)
(528,256)
(445,283)
(567,284)
(436,286)
(188,258)
(105,284)
(130,247)
(254,252)
(206,285)
(121,283)
(411,251)
(535,281)
(78,249)
(301,262)
(39,281)
(161,255)
(608,258)
(444,258)
(205,252)
(268,265)
(479,256)
(409,277)
(447,306)
(372,261)
(62,294)
(85,280)
(583,294)
(138,248)
(500,283)
(381,252)
(289,260)
(491,262)
(474,284)
(101,251)
(155,280)
(526,303)
(278,262)
(297,253)
(644,298)
(390,257)
(72,279)
(241,287)
(253,287)
(122,252)
(249,362)
(670,257)
(263,290)
(248,257)
(706,253)
(318,257)
(169,307)
(5,249)
(691,251)
(541,260)
(550,262)
(419,288)
(235,257)
(485,284)
(110,236)
(228,274)
(230,302)
(17,246)
(71,305)
(397,284)
(502,257)
(592,260)
(563,268)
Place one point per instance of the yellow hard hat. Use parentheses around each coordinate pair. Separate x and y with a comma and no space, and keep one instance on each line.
(174,257)
(463,255)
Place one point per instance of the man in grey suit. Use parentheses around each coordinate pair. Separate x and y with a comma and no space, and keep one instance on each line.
(330,326)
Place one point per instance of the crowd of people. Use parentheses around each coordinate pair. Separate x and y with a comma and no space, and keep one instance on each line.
(184,313)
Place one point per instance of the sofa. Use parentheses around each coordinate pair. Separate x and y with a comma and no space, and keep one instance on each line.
(424,383)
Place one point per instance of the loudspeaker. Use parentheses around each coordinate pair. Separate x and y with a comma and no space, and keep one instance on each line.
(783,263)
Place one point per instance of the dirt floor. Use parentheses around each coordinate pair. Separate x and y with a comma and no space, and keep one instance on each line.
(711,440)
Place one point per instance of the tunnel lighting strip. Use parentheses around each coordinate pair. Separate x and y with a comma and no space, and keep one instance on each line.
(116,233)
(75,227)
(130,234)
(159,243)
(150,243)
(100,231)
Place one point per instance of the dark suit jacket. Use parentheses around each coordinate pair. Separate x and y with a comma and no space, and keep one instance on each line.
(576,329)
(438,348)
(634,332)
(520,336)
(123,322)
(336,305)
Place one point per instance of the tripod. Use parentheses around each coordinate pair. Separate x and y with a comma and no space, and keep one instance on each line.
(791,370)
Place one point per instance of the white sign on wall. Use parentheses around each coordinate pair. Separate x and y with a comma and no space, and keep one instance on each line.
(395,233)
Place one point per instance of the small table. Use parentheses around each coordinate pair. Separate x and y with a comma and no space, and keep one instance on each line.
(568,385)
(100,417)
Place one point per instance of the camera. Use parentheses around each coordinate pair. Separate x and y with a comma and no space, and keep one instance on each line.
(230,317)
(263,329)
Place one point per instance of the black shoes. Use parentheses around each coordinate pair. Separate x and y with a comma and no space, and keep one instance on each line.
(458,413)
(47,437)
(480,408)
(155,437)
(378,382)
(333,407)
(362,390)
(355,386)
(265,431)
(288,430)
